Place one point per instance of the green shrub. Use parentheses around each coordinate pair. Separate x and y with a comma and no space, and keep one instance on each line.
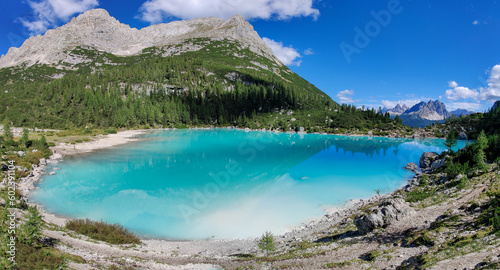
(424,240)
(110,131)
(266,242)
(480,161)
(371,256)
(424,181)
(102,231)
(462,183)
(419,195)
(29,257)
(114,267)
(496,219)
(31,230)
(455,169)
(32,158)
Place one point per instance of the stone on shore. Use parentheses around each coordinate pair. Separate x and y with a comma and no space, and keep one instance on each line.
(411,167)
(56,156)
(382,215)
(427,159)
(438,164)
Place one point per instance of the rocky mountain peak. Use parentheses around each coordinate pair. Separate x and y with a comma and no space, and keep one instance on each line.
(97,29)
(94,13)
(432,110)
(495,106)
(95,18)
(398,110)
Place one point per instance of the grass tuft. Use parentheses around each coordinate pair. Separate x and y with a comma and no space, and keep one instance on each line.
(102,231)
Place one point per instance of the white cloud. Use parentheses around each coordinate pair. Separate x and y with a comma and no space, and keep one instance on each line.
(309,52)
(47,13)
(471,106)
(154,11)
(452,84)
(460,92)
(287,55)
(476,22)
(408,102)
(346,96)
(492,92)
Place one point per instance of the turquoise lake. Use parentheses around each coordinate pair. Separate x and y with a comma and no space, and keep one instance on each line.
(226,183)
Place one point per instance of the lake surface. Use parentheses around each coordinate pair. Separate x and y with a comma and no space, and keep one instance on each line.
(223,183)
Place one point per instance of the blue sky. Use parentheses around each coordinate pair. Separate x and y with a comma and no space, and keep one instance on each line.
(364,52)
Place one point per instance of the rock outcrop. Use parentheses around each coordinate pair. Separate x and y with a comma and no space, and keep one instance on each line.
(398,110)
(427,159)
(412,167)
(432,110)
(462,136)
(425,113)
(430,162)
(382,215)
(438,164)
(96,29)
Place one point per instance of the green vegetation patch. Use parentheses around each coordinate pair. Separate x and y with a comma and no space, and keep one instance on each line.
(419,194)
(102,231)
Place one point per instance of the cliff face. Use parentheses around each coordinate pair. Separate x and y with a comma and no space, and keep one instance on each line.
(398,110)
(96,29)
(425,113)
(432,110)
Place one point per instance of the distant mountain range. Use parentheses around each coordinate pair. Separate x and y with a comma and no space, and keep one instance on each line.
(398,110)
(463,112)
(424,113)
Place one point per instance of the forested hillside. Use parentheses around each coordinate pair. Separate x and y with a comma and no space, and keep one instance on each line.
(220,85)
(473,124)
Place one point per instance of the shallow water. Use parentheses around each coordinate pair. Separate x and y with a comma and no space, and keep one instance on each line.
(193,184)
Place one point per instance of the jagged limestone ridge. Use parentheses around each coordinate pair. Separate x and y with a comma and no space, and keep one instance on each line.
(96,29)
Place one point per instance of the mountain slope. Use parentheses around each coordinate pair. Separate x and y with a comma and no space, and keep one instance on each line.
(473,124)
(97,72)
(425,113)
(96,29)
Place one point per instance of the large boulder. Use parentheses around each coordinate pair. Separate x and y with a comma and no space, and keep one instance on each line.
(368,222)
(412,167)
(438,164)
(427,159)
(382,215)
